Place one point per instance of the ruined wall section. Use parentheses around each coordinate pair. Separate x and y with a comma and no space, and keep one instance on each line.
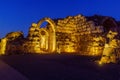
(75,34)
(32,42)
(14,42)
(3,43)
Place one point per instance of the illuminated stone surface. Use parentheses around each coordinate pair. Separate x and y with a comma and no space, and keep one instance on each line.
(109,53)
(3,46)
(74,34)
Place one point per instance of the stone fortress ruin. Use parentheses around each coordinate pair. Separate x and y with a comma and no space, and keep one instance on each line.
(81,35)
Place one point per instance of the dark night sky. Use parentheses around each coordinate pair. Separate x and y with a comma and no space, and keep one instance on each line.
(18,15)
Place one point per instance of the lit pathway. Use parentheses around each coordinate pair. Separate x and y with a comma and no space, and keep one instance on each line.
(8,73)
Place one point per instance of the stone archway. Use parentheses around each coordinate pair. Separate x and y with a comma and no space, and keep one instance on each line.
(52,34)
(44,39)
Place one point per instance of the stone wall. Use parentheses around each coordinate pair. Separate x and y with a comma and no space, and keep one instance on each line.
(14,41)
(73,34)
(32,43)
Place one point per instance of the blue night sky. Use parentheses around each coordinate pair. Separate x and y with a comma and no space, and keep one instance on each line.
(18,15)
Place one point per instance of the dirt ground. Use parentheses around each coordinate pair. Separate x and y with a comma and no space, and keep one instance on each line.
(61,67)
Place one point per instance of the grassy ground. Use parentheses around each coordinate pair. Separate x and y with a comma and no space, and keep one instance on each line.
(61,67)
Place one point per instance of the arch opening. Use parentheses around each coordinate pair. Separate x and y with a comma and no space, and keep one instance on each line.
(44,24)
(44,40)
(51,34)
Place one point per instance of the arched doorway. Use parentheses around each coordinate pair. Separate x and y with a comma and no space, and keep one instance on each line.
(51,32)
(44,39)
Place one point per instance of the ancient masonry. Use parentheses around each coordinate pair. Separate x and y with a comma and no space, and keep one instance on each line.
(79,35)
